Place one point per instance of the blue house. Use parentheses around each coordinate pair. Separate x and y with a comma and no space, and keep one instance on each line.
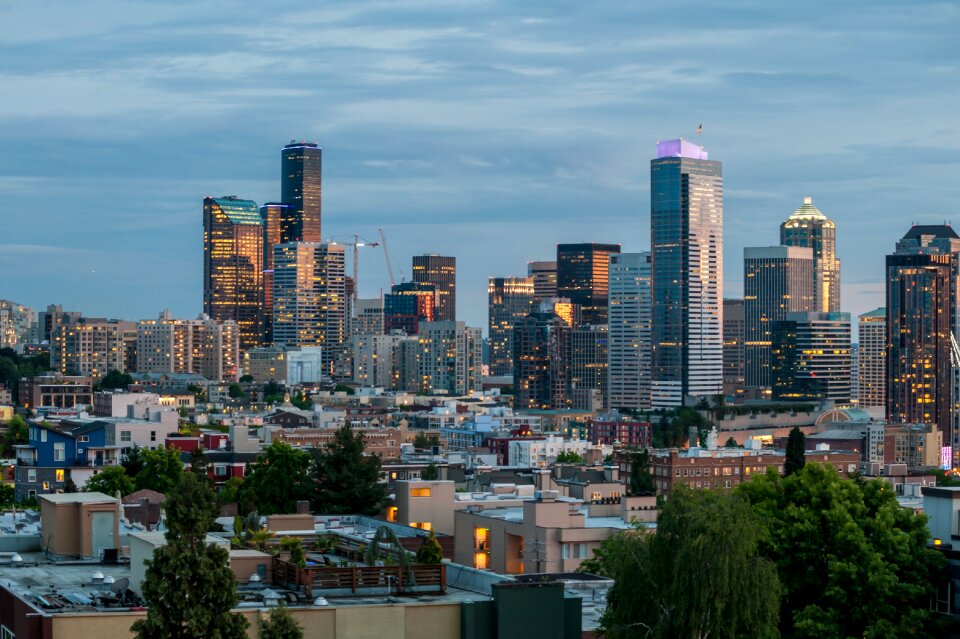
(54,455)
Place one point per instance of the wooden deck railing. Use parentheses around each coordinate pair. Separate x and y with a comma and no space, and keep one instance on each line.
(426,578)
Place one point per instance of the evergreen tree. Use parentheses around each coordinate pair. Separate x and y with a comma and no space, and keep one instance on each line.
(132,461)
(198,462)
(431,473)
(641,481)
(347,481)
(280,625)
(189,586)
(795,454)
(17,433)
(430,551)
(278,479)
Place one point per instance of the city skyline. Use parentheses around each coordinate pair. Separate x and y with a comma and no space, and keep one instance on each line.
(424,142)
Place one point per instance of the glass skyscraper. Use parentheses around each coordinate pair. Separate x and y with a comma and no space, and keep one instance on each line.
(810,357)
(628,372)
(510,299)
(686,229)
(583,272)
(300,189)
(441,272)
(810,228)
(233,265)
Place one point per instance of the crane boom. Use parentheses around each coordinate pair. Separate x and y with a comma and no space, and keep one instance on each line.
(386,255)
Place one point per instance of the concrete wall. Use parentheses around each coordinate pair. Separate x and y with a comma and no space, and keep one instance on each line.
(290,523)
(437,509)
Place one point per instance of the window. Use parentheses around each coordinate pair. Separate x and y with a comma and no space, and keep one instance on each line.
(83,439)
(481,538)
(153,435)
(220,470)
(125,436)
(595,496)
(46,485)
(32,475)
(6,633)
(43,435)
(31,494)
(59,451)
(581,551)
(419,492)
(422,525)
(59,474)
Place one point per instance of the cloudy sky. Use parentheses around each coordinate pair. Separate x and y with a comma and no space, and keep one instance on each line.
(486,130)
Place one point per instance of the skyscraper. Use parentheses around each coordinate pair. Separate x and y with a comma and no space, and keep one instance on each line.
(510,299)
(921,313)
(629,317)
(810,228)
(589,353)
(300,188)
(541,345)
(233,265)
(776,280)
(274,217)
(686,222)
(407,305)
(451,358)
(544,276)
(309,298)
(733,336)
(203,346)
(872,362)
(583,272)
(441,272)
(810,357)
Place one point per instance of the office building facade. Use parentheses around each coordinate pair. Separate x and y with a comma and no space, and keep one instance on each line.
(301,165)
(541,345)
(686,224)
(207,347)
(451,358)
(583,272)
(734,376)
(407,305)
(810,228)
(441,272)
(589,354)
(544,275)
(90,347)
(16,323)
(233,265)
(510,299)
(776,280)
(810,358)
(629,316)
(872,358)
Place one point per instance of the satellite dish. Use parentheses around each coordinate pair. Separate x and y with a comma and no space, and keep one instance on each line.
(120,585)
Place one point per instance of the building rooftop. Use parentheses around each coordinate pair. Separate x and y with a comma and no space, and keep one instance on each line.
(944,231)
(79,498)
(808,211)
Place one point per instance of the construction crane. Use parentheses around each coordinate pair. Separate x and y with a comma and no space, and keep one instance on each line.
(356,244)
(386,255)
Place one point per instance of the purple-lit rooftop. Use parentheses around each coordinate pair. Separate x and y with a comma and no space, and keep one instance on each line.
(680,149)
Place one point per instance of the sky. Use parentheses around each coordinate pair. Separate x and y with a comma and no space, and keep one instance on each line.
(486,130)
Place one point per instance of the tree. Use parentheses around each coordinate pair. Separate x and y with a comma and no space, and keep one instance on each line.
(795,454)
(301,401)
(198,462)
(17,433)
(278,479)
(109,481)
(343,388)
(731,443)
(569,457)
(693,577)
(272,393)
(422,442)
(9,373)
(430,473)
(235,391)
(132,460)
(641,481)
(7,495)
(280,625)
(69,486)
(294,546)
(161,470)
(246,379)
(347,481)
(189,586)
(115,379)
(851,561)
(430,551)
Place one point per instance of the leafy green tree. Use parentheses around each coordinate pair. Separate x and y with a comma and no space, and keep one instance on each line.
(731,443)
(198,392)
(109,481)
(641,481)
(132,460)
(198,462)
(235,391)
(430,473)
(301,401)
(851,561)
(347,481)
(422,442)
(17,433)
(280,625)
(278,479)
(943,477)
(294,546)
(7,495)
(795,453)
(115,379)
(343,388)
(569,457)
(695,577)
(69,486)
(272,393)
(189,586)
(9,373)
(430,551)
(246,379)
(161,470)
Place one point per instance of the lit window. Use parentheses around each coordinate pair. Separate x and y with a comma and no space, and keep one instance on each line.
(59,474)
(419,492)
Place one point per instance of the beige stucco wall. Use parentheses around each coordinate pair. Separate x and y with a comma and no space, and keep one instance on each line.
(437,509)
(287,523)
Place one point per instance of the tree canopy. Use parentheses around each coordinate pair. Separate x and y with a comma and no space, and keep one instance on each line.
(641,481)
(109,481)
(17,433)
(115,379)
(189,586)
(132,460)
(279,479)
(161,470)
(280,625)
(569,457)
(430,551)
(795,453)
(347,481)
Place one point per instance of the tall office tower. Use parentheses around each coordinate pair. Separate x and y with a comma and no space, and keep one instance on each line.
(810,228)
(510,300)
(810,357)
(233,265)
(91,347)
(204,346)
(275,219)
(300,189)
(686,229)
(855,374)
(369,317)
(628,372)
(776,280)
(407,305)
(544,276)
(50,319)
(872,361)
(582,277)
(16,322)
(921,313)
(734,378)
(309,298)
(376,359)
(451,358)
(587,377)
(441,272)
(541,345)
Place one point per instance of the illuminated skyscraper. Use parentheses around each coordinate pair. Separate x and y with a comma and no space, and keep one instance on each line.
(441,272)
(686,222)
(628,383)
(810,357)
(300,189)
(541,367)
(510,300)
(275,217)
(583,272)
(733,358)
(544,275)
(309,298)
(233,265)
(776,280)
(810,228)
(407,305)
(872,362)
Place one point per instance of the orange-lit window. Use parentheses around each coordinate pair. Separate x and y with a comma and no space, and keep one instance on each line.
(481,538)
(419,492)
(59,474)
(392,513)
(422,525)
(481,561)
